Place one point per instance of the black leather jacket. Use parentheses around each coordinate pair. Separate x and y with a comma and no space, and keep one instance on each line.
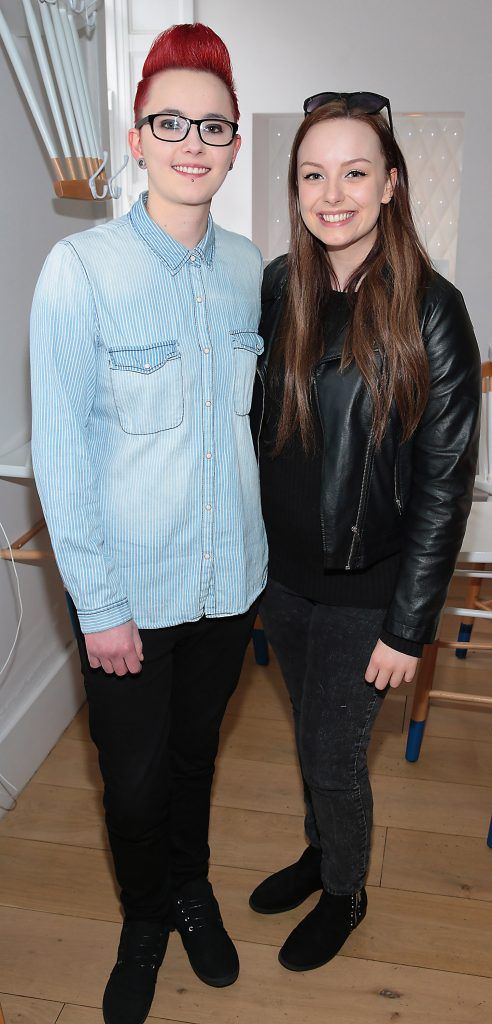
(413,497)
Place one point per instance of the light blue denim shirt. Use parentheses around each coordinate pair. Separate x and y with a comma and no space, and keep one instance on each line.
(143,355)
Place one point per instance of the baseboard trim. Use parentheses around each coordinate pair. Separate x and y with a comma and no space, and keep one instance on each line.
(30,738)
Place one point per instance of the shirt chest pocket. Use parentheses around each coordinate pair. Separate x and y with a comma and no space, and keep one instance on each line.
(247,347)
(147,387)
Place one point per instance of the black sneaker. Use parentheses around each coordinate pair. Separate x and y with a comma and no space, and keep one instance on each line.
(130,989)
(323,932)
(211,952)
(289,887)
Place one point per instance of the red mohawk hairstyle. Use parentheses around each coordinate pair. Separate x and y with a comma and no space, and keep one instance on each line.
(195,47)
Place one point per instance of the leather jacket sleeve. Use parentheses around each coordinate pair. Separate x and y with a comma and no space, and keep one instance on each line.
(444,454)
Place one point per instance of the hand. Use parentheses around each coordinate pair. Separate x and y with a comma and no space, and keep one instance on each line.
(117,650)
(389,666)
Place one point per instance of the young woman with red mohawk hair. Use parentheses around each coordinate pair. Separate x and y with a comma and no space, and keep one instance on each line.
(144,348)
(195,47)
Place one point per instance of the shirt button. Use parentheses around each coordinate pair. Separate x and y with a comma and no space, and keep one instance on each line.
(208,455)
(208,404)
(206,555)
(192,258)
(208,508)
(206,351)
(146,366)
(199,298)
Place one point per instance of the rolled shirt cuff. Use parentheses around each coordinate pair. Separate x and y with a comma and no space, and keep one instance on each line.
(98,619)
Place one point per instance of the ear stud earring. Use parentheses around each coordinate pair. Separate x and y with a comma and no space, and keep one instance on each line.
(141,162)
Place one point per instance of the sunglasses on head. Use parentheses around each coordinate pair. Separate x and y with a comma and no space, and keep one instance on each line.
(368,102)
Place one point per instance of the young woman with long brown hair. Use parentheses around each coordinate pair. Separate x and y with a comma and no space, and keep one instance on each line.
(366,410)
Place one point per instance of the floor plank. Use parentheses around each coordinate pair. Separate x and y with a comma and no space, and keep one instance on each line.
(88,1015)
(261,692)
(446,865)
(258,739)
(441,760)
(357,991)
(21,1010)
(57,814)
(79,726)
(248,784)
(431,806)
(57,879)
(424,930)
(73,762)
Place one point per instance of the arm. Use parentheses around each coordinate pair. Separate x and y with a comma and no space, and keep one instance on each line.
(63,368)
(444,453)
(445,448)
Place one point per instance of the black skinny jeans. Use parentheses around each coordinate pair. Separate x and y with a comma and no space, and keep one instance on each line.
(157,735)
(323,653)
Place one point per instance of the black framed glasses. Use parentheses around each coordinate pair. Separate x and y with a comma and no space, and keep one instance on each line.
(213,131)
(368,102)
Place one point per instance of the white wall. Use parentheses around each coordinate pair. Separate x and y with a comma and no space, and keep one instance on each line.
(428,55)
(40,690)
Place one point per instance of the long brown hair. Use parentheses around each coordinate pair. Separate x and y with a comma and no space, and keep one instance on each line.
(385,291)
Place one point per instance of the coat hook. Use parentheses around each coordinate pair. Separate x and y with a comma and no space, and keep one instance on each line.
(83,7)
(115,190)
(92,180)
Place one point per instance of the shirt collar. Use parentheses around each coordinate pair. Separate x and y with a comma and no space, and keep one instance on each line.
(172,252)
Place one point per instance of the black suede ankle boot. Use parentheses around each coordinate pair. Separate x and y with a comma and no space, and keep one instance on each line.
(290,886)
(130,989)
(321,935)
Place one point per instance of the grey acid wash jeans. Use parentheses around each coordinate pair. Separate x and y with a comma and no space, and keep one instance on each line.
(323,653)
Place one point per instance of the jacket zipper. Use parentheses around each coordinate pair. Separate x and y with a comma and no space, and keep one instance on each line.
(397,496)
(356,528)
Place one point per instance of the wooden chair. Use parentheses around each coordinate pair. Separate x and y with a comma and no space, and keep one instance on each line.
(476,548)
(424,692)
(483,483)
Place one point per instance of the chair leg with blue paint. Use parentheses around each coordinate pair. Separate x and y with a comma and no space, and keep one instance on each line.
(464,637)
(420,707)
(260,644)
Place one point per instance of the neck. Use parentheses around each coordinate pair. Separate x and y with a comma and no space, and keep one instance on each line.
(345,261)
(187,224)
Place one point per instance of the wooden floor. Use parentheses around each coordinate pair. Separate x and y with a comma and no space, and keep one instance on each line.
(424,952)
